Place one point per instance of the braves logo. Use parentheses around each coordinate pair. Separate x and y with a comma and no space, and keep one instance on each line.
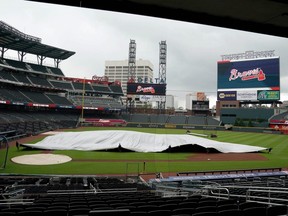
(145,89)
(247,75)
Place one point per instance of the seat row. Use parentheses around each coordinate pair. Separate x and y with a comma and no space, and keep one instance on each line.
(269,211)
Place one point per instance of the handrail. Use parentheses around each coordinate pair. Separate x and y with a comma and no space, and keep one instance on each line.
(71,191)
(257,170)
(218,195)
(268,197)
(249,196)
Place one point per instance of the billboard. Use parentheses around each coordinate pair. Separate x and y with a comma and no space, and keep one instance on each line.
(247,95)
(152,98)
(226,95)
(201,96)
(266,95)
(200,105)
(146,89)
(260,74)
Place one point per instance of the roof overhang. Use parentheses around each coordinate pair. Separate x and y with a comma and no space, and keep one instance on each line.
(261,16)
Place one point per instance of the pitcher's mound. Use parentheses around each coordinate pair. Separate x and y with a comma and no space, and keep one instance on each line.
(41,159)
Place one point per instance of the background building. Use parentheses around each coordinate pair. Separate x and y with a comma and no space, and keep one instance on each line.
(118,70)
(169,102)
(189,98)
(197,104)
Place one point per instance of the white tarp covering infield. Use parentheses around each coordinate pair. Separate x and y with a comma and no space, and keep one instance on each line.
(134,141)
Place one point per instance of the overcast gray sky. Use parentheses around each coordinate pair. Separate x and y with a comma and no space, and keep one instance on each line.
(192,49)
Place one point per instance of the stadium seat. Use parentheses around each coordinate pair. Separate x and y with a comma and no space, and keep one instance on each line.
(161,212)
(126,207)
(29,213)
(227,207)
(78,211)
(207,203)
(182,211)
(225,202)
(254,211)
(54,212)
(147,208)
(169,206)
(98,205)
(138,213)
(7,213)
(103,208)
(246,205)
(277,210)
(230,212)
(188,204)
(115,212)
(205,214)
(206,209)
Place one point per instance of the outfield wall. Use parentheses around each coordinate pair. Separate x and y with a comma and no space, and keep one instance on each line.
(202,127)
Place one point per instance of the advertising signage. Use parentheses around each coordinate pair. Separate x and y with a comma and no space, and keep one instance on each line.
(254,73)
(226,95)
(200,105)
(247,95)
(268,95)
(146,89)
(152,98)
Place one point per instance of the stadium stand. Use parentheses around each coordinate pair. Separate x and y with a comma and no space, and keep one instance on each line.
(6,75)
(281,116)
(35,122)
(16,64)
(37,68)
(91,195)
(259,116)
(178,119)
(116,89)
(158,118)
(79,86)
(13,95)
(55,71)
(139,118)
(56,99)
(22,78)
(92,101)
(36,97)
(101,89)
(62,84)
(39,81)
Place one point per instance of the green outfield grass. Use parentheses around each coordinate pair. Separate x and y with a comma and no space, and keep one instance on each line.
(85,162)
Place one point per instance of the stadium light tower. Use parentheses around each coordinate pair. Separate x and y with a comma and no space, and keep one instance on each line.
(162,69)
(162,61)
(132,61)
(131,71)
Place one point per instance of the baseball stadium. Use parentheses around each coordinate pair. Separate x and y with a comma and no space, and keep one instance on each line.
(72,147)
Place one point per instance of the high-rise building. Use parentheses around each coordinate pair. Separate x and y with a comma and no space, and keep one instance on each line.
(118,70)
(169,104)
(189,98)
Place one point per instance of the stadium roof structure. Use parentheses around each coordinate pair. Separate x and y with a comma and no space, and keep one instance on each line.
(261,16)
(11,38)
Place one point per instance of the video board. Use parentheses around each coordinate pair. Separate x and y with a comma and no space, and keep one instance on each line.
(200,105)
(241,79)
(255,73)
(146,89)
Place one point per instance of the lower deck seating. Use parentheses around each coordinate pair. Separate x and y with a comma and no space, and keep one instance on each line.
(56,195)
(35,122)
